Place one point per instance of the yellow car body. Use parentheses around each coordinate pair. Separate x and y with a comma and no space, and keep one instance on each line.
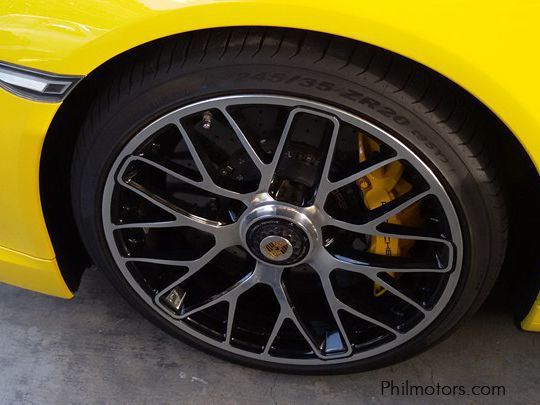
(486,47)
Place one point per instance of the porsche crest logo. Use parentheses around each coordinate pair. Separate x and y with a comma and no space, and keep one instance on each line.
(276,249)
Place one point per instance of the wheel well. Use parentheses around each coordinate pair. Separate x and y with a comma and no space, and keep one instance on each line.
(62,136)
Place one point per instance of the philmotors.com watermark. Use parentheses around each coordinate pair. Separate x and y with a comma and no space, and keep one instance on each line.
(406,388)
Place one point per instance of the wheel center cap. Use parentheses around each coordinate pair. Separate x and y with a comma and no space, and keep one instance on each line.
(277,241)
(276,248)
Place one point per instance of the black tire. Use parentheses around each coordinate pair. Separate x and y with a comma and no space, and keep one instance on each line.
(440,122)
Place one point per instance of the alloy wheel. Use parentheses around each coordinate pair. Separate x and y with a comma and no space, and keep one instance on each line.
(245,222)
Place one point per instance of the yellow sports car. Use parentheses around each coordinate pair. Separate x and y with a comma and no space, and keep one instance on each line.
(303,185)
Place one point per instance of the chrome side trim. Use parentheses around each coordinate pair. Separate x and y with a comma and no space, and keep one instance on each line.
(34,84)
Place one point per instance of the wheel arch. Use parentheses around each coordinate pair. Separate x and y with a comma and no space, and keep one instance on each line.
(488,59)
(62,135)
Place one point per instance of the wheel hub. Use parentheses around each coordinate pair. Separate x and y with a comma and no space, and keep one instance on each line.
(278,234)
(277,241)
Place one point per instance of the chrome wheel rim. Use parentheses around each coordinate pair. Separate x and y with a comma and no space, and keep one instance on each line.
(287,230)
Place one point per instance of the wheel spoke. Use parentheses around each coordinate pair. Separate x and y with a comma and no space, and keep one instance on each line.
(328,262)
(207,184)
(336,305)
(275,330)
(404,232)
(223,232)
(398,293)
(326,259)
(160,224)
(230,296)
(193,265)
(244,141)
(194,154)
(326,186)
(287,311)
(268,173)
(419,236)
(231,311)
(324,182)
(362,173)
(369,319)
(388,211)
(396,208)
(153,199)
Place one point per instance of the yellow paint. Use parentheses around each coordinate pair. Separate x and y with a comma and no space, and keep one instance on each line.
(532,320)
(23,125)
(31,273)
(378,188)
(462,39)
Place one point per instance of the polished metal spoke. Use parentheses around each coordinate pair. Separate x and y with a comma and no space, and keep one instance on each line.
(231,312)
(419,236)
(207,184)
(230,296)
(226,233)
(326,186)
(255,158)
(336,304)
(287,311)
(399,207)
(275,330)
(151,198)
(398,293)
(361,173)
(404,232)
(266,170)
(194,154)
(265,275)
(335,307)
(271,276)
(369,319)
(268,174)
(192,221)
(370,227)
(193,265)
(157,224)
(324,260)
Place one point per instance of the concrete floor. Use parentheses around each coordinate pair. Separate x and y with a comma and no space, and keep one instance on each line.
(96,349)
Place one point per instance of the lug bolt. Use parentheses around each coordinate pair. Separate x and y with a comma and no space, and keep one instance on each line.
(364,183)
(207,120)
(227,170)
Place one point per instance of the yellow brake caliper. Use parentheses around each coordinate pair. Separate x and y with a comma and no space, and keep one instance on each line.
(380,187)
